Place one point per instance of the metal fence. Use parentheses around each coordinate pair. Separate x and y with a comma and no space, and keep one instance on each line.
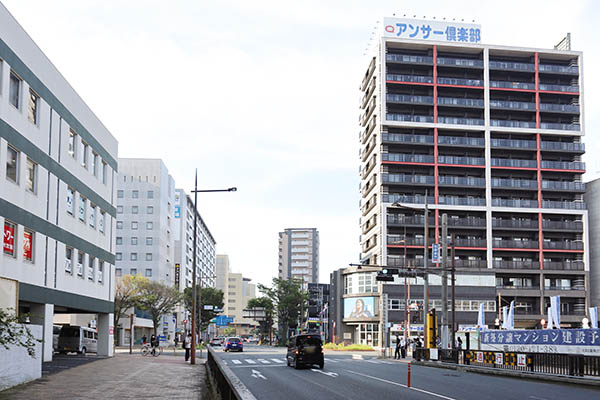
(544,363)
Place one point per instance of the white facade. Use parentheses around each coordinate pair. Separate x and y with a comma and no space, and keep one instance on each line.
(57,167)
(299,255)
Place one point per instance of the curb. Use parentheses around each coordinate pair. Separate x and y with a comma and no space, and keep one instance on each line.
(511,373)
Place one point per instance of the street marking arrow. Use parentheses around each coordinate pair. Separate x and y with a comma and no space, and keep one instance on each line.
(331,374)
(256,374)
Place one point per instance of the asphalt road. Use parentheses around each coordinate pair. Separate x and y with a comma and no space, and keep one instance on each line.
(353,376)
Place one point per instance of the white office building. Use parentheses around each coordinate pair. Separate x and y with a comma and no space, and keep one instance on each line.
(299,255)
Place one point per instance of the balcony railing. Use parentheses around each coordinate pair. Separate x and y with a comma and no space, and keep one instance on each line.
(410,241)
(461,201)
(406,99)
(512,123)
(562,127)
(514,223)
(569,205)
(512,85)
(515,244)
(563,225)
(460,62)
(399,198)
(409,78)
(508,162)
(412,179)
(559,88)
(404,138)
(514,143)
(417,220)
(461,141)
(468,263)
(459,81)
(409,59)
(561,69)
(578,287)
(415,158)
(564,266)
(470,242)
(516,264)
(461,160)
(398,261)
(467,222)
(576,165)
(512,105)
(461,181)
(563,245)
(514,183)
(512,66)
(566,108)
(409,118)
(570,186)
(455,101)
(460,121)
(523,203)
(562,146)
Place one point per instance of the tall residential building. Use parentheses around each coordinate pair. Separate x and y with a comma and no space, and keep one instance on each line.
(492,135)
(237,291)
(299,255)
(592,199)
(57,195)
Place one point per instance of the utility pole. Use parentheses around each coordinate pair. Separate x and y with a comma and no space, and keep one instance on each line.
(453,295)
(425,261)
(405,293)
(444,314)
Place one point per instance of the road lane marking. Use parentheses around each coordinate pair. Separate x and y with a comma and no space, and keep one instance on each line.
(357,356)
(256,374)
(386,362)
(331,374)
(278,361)
(330,360)
(262,360)
(236,361)
(250,361)
(375,362)
(404,386)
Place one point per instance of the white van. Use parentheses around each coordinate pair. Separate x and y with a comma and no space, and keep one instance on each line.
(77,338)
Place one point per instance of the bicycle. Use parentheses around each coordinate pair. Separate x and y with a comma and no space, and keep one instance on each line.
(155,351)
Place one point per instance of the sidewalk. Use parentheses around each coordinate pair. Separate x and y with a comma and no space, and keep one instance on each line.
(121,377)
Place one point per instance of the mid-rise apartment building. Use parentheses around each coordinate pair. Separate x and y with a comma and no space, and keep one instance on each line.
(490,135)
(57,195)
(299,255)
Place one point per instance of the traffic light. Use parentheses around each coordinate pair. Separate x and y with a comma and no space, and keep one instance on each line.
(387,274)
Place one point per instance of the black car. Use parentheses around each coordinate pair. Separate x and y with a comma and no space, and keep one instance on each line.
(305,350)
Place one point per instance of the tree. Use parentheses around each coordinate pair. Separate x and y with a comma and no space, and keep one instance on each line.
(229,331)
(209,296)
(158,299)
(14,332)
(265,324)
(126,294)
(288,300)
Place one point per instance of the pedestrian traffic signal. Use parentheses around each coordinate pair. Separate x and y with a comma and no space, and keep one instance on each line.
(387,274)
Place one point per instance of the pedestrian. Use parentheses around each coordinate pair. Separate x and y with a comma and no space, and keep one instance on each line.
(459,344)
(175,340)
(187,342)
(144,338)
(403,347)
(397,353)
(417,351)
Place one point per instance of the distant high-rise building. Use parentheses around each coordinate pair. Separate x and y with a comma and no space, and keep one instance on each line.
(299,255)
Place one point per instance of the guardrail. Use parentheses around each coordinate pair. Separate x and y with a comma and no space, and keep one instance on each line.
(228,384)
(542,363)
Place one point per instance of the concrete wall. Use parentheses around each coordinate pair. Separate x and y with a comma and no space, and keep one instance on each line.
(17,366)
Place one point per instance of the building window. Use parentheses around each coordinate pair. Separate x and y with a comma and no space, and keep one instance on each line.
(69,260)
(118,256)
(150,194)
(133,256)
(135,194)
(133,271)
(73,144)
(12,164)
(148,256)
(134,240)
(92,216)
(119,224)
(80,259)
(119,209)
(34,101)
(101,221)
(14,90)
(149,210)
(100,271)
(118,272)
(81,210)
(148,241)
(94,165)
(119,240)
(119,194)
(91,272)
(70,201)
(149,226)
(149,273)
(134,209)
(31,182)
(104,172)
(134,225)
(10,232)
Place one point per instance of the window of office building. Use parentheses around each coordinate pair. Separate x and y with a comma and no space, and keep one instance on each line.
(119,224)
(133,271)
(135,194)
(28,249)
(149,210)
(134,225)
(32,111)
(150,194)
(73,143)
(119,240)
(70,200)
(12,164)
(80,260)
(100,271)
(84,154)
(118,256)
(92,216)
(149,226)
(148,256)
(81,209)
(14,89)
(118,272)
(91,273)
(148,241)
(31,179)
(133,256)
(134,209)
(119,194)
(104,172)
(149,273)
(9,242)
(101,221)
(94,165)
(69,260)
(119,209)
(134,240)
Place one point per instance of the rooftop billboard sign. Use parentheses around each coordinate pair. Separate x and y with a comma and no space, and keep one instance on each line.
(439,31)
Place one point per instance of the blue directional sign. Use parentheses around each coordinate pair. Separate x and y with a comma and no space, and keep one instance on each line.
(435,253)
(223,320)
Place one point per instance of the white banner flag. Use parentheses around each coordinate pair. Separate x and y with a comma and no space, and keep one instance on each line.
(481,317)
(555,303)
(510,321)
(549,323)
(594,317)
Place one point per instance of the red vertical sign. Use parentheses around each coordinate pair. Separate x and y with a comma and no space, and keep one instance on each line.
(27,245)
(9,239)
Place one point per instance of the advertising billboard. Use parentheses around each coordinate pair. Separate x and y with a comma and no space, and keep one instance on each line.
(441,31)
(359,307)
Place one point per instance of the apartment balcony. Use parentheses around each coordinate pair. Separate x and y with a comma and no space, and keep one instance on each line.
(576,226)
(468,263)
(569,288)
(406,139)
(559,69)
(572,166)
(513,163)
(468,222)
(461,181)
(559,88)
(414,220)
(461,201)
(578,148)
(460,62)
(564,266)
(514,144)
(407,99)
(514,183)
(459,81)
(568,205)
(562,127)
(512,85)
(400,198)
(409,241)
(564,186)
(515,244)
(409,118)
(460,121)
(460,102)
(563,245)
(398,261)
(409,158)
(526,224)
(409,59)
(470,243)
(560,108)
(512,105)
(461,141)
(461,160)
(512,123)
(407,179)
(511,66)
(409,78)
(516,264)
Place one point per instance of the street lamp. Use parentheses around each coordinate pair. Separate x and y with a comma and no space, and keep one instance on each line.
(194,306)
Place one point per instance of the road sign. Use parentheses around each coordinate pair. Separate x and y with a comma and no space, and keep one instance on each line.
(208,307)
(435,253)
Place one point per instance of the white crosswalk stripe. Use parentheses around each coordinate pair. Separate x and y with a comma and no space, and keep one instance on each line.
(334,361)
(375,362)
(239,362)
(264,361)
(254,362)
(278,361)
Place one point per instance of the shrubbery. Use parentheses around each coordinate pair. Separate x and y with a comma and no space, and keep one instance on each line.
(351,347)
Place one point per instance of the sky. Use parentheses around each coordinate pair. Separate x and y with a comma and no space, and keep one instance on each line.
(263,96)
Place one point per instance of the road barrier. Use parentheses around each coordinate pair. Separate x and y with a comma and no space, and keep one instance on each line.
(545,363)
(228,384)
